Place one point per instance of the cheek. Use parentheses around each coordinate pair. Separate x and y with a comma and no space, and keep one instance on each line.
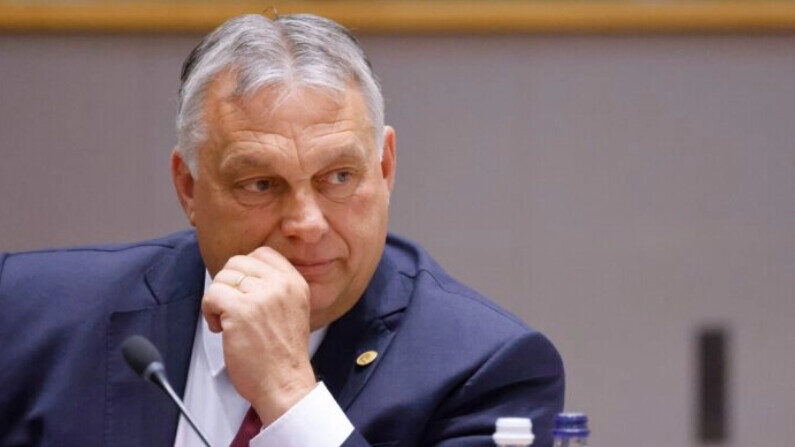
(362,223)
(233,229)
(370,197)
(252,226)
(214,211)
(365,212)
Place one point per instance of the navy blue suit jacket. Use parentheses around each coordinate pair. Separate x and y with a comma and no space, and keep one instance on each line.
(450,362)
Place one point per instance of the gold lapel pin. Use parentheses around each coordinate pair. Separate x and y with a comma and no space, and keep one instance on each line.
(365,358)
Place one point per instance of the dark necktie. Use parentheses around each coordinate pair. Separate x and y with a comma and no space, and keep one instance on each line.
(249,428)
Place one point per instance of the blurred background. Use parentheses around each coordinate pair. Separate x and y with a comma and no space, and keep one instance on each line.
(620,175)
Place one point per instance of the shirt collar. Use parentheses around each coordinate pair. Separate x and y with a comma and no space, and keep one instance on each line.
(213,346)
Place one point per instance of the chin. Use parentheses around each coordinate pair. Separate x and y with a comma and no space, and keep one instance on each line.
(321,298)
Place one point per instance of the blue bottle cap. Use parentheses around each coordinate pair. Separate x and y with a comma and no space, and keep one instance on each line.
(571,425)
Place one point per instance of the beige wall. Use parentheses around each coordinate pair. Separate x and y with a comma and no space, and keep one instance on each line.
(616,192)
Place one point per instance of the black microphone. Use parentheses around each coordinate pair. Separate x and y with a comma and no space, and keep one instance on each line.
(142,356)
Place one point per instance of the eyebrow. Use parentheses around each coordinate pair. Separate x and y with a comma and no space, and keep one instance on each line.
(352,152)
(244,161)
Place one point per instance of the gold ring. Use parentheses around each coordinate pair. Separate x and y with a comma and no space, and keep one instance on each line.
(240,281)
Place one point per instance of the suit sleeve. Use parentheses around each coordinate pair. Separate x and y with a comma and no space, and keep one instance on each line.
(523,378)
(14,368)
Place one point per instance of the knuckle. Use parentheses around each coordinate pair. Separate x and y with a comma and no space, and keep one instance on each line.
(295,288)
(282,287)
(221,275)
(208,302)
(261,251)
(211,291)
(235,260)
(252,286)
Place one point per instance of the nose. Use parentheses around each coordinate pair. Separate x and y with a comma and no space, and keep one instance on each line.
(303,219)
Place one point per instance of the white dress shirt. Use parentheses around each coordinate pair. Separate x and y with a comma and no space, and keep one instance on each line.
(314,421)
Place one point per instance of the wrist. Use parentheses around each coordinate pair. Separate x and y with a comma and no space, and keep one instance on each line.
(278,400)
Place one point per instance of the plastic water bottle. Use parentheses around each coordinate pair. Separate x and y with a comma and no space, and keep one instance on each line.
(513,432)
(571,430)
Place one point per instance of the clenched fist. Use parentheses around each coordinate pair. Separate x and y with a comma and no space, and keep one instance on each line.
(261,303)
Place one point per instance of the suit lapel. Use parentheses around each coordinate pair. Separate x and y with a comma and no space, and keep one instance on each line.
(369,326)
(137,413)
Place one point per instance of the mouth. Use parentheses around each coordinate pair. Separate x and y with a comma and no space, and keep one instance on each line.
(312,268)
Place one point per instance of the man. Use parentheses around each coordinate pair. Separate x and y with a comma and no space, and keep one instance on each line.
(285,169)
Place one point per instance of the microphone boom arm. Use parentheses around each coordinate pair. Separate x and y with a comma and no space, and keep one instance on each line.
(158,376)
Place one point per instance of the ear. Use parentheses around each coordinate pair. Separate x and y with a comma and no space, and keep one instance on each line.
(183,183)
(388,159)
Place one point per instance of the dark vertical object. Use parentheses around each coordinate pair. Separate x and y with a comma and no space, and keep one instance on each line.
(712,385)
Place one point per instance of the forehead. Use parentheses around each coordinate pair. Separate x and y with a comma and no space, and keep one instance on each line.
(289,111)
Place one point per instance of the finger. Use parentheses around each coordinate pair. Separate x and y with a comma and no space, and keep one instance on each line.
(250,266)
(219,298)
(273,258)
(251,284)
(229,277)
(214,323)
(238,280)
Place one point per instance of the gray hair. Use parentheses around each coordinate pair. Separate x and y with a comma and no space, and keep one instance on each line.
(294,50)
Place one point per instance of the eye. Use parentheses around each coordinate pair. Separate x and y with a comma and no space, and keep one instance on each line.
(339,184)
(259,191)
(258,185)
(339,177)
